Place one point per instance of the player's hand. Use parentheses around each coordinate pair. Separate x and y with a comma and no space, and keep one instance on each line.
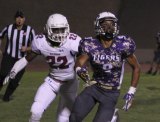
(128,101)
(128,97)
(6,80)
(83,74)
(23,49)
(11,75)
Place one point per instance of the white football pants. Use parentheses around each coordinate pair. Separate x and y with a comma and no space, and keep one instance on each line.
(47,92)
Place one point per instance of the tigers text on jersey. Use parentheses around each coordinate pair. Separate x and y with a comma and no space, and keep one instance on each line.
(16,39)
(107,63)
(60,59)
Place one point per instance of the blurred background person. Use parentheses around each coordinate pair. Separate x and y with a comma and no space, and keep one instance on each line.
(19,37)
(155,64)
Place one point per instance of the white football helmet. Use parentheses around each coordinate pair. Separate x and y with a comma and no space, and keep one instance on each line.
(105,16)
(57,28)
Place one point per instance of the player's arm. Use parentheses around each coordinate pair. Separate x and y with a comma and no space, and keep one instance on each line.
(132,60)
(81,60)
(25,49)
(19,65)
(80,67)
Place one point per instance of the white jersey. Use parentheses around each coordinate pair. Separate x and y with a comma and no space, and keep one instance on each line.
(60,59)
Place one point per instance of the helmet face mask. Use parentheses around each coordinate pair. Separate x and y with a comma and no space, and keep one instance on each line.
(57,28)
(106,25)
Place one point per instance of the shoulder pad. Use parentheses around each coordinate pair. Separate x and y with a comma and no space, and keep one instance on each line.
(73,36)
(127,45)
(39,37)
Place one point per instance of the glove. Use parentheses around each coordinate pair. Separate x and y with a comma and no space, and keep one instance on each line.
(129,98)
(11,75)
(83,74)
(6,80)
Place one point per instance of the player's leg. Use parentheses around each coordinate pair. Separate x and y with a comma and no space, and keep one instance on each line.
(6,65)
(152,65)
(68,93)
(115,117)
(157,66)
(45,95)
(107,103)
(83,104)
(13,84)
(155,70)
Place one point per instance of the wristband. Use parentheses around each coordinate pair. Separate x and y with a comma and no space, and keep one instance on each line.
(77,69)
(132,90)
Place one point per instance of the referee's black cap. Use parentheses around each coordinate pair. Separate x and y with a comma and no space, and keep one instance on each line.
(19,14)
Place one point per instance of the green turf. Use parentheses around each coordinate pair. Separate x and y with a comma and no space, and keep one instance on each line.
(146,107)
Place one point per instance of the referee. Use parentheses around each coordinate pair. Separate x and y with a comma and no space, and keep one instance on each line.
(19,37)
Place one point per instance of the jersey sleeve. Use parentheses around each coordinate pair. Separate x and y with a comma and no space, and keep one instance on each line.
(129,47)
(74,42)
(85,46)
(35,45)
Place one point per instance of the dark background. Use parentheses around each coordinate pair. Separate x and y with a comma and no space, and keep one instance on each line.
(137,18)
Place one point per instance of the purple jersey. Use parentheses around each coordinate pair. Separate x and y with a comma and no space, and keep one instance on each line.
(107,63)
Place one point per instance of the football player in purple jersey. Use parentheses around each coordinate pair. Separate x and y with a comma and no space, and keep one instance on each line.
(107,54)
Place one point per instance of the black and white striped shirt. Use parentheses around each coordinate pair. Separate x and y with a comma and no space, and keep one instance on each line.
(16,39)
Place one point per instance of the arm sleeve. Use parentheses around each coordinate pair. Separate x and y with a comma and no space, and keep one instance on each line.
(19,65)
(75,44)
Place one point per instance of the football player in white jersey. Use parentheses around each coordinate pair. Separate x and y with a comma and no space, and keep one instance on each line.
(59,47)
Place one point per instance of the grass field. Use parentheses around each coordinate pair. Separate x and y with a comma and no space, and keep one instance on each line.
(146,107)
